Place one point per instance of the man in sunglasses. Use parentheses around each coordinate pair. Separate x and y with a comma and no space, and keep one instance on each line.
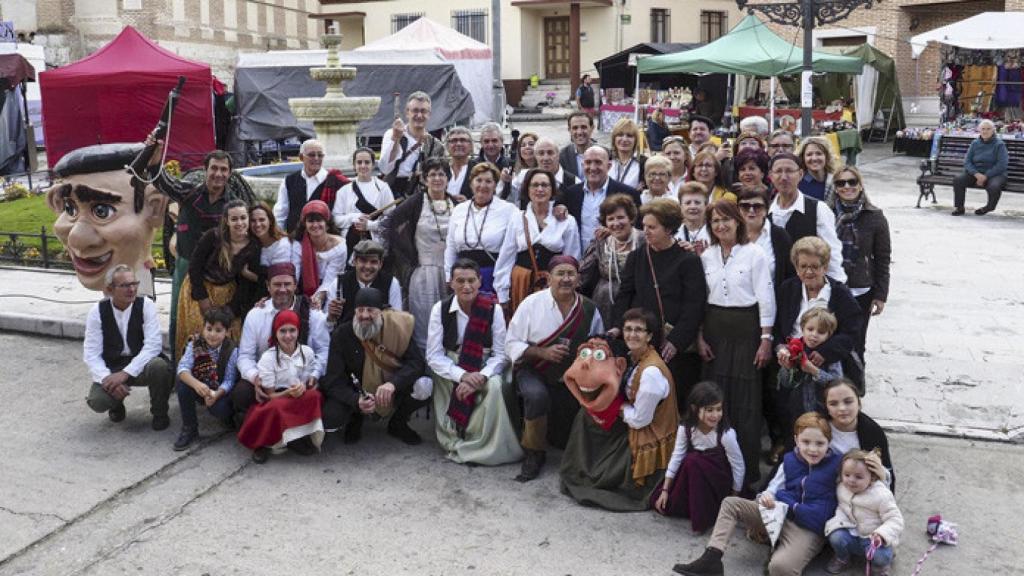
(122,350)
(313,182)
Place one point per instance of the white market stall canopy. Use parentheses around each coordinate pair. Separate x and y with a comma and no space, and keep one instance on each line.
(985,31)
(472,59)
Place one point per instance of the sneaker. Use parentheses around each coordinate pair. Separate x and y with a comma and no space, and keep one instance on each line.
(260,455)
(161,422)
(117,413)
(403,432)
(836,565)
(185,439)
(958,212)
(709,564)
(983,210)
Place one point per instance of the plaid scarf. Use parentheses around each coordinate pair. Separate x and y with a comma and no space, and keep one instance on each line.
(204,367)
(471,357)
(846,229)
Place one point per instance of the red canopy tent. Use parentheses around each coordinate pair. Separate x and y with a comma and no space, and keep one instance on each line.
(117,94)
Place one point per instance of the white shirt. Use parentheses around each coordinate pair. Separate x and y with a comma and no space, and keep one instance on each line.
(561,237)
(687,235)
(386,164)
(152,341)
(278,371)
(329,264)
(455,182)
(437,357)
(654,388)
(537,318)
(560,179)
(279,251)
(345,213)
(702,441)
(675,185)
(843,442)
(807,303)
(826,230)
(590,213)
(764,240)
(742,280)
(464,229)
(281,207)
(628,173)
(259,323)
(646,197)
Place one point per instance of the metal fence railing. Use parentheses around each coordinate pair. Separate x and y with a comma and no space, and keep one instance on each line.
(44,250)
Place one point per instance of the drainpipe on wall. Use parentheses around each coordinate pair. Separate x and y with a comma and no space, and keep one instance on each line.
(499,89)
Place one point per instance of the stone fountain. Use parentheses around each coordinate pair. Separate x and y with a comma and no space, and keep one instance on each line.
(335,116)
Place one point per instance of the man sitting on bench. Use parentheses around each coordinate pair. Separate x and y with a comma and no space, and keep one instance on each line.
(984,167)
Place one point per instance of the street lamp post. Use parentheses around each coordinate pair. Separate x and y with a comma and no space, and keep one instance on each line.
(807,14)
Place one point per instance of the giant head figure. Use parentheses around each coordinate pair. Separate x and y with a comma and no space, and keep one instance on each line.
(101,219)
(594,380)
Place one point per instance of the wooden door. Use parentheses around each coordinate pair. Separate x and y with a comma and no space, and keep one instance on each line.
(556,47)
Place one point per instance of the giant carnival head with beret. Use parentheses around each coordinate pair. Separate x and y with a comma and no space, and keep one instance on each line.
(103,220)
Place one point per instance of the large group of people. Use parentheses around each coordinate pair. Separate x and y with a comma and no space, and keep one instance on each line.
(650,316)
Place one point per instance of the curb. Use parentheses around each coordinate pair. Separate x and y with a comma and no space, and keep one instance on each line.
(50,327)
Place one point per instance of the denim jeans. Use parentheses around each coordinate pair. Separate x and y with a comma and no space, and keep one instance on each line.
(187,400)
(845,544)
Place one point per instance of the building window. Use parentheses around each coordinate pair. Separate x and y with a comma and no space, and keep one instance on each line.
(399,21)
(713,25)
(660,30)
(472,23)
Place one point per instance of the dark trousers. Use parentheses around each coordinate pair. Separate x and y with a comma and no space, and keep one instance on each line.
(187,401)
(993,187)
(243,395)
(774,413)
(338,415)
(158,376)
(686,369)
(864,300)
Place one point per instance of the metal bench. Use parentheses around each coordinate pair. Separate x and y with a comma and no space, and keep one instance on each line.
(948,163)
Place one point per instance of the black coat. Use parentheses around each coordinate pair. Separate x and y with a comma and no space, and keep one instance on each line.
(346,358)
(841,303)
(871,436)
(572,198)
(781,246)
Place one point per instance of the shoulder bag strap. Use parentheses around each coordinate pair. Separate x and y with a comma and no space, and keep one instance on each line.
(654,277)
(529,245)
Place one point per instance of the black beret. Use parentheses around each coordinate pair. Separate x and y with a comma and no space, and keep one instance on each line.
(370,297)
(97,158)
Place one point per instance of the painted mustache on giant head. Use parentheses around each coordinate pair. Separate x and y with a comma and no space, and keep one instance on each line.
(593,379)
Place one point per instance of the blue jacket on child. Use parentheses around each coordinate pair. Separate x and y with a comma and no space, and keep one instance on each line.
(810,491)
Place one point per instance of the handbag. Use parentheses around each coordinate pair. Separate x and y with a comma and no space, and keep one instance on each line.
(539,279)
(654,277)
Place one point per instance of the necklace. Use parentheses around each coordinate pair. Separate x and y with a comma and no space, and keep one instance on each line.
(479,231)
(435,212)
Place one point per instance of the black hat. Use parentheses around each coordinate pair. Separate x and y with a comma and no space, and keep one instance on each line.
(97,158)
(370,297)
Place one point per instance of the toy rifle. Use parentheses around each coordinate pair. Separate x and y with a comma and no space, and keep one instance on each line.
(140,163)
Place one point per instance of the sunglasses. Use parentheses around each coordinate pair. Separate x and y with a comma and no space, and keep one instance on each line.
(846,183)
(751,206)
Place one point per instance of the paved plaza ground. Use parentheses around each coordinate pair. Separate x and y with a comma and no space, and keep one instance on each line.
(84,496)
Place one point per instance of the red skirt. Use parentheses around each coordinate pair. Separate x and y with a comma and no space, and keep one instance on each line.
(279,421)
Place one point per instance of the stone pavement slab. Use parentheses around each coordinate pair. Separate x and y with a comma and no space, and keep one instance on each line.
(83,496)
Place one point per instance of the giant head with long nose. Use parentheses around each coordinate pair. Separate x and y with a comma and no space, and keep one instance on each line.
(594,379)
(101,219)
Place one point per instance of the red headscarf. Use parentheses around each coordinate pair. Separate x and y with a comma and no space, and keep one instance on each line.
(310,271)
(286,317)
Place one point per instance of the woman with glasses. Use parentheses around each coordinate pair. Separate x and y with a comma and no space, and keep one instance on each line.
(816,155)
(867,247)
(657,173)
(735,341)
(415,234)
(706,169)
(677,151)
(775,243)
(781,141)
(627,164)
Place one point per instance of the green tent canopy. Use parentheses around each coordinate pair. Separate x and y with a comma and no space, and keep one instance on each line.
(750,48)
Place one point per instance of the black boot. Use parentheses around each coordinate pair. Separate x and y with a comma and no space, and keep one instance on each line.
(709,564)
(354,429)
(186,438)
(398,426)
(532,465)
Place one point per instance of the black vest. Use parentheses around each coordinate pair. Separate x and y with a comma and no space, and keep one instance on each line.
(450,327)
(113,342)
(350,287)
(805,223)
(296,186)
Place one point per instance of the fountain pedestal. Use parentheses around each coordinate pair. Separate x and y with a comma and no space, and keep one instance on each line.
(335,116)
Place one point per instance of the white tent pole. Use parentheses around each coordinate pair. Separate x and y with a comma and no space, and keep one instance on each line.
(771,104)
(636,97)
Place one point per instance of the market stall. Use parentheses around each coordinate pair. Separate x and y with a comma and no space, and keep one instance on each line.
(15,74)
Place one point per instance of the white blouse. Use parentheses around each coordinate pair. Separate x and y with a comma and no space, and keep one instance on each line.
(279,251)
(646,197)
(279,371)
(702,441)
(742,280)
(474,228)
(653,388)
(626,172)
(345,213)
(764,240)
(329,263)
(686,235)
(560,237)
(455,182)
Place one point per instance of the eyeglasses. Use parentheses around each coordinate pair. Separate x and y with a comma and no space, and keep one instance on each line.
(751,206)
(782,171)
(657,175)
(634,330)
(852,182)
(809,268)
(127,285)
(314,154)
(781,146)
